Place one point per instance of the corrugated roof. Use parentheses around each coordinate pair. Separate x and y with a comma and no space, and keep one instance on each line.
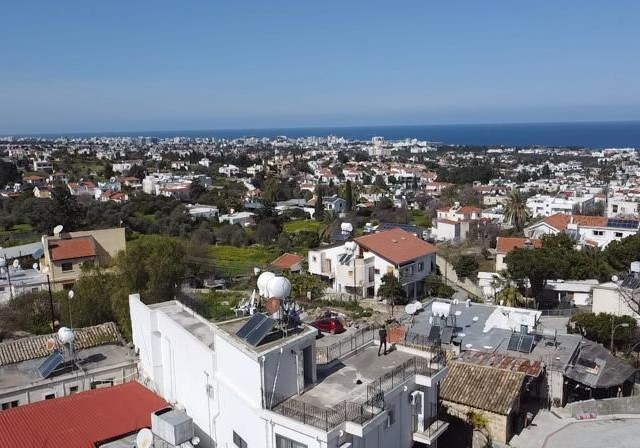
(505,245)
(396,245)
(479,387)
(67,249)
(80,420)
(596,367)
(503,362)
(33,347)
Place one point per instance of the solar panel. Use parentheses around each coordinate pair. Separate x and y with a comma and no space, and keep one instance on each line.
(447,335)
(258,333)
(631,282)
(514,342)
(434,334)
(250,325)
(526,343)
(50,364)
(622,223)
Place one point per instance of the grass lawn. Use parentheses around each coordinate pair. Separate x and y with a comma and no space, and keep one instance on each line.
(419,218)
(300,225)
(241,260)
(17,229)
(219,305)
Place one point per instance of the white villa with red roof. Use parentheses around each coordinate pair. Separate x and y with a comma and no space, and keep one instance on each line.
(595,231)
(359,265)
(452,223)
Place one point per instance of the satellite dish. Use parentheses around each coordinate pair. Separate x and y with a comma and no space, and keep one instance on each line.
(614,278)
(144,439)
(71,294)
(278,287)
(475,318)
(35,266)
(57,230)
(51,344)
(65,335)
(16,264)
(263,279)
(273,305)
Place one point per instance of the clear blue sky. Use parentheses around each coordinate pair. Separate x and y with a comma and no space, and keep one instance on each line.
(211,64)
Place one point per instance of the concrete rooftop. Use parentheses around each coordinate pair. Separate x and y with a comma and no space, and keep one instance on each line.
(190,321)
(340,383)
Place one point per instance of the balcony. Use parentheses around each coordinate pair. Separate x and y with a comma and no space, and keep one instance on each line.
(337,398)
(428,434)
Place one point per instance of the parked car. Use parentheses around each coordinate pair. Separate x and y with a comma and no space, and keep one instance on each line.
(330,325)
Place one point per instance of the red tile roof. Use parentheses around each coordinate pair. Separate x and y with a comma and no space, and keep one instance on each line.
(286,261)
(505,245)
(468,210)
(80,420)
(83,247)
(560,221)
(396,245)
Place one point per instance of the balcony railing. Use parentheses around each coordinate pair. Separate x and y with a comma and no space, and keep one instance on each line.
(360,338)
(346,411)
(430,427)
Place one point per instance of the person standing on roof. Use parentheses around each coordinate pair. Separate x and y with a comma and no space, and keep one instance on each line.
(382,335)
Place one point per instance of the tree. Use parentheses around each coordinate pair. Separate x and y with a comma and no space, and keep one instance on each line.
(465,266)
(137,171)
(67,210)
(516,211)
(620,254)
(391,290)
(330,225)
(535,265)
(8,173)
(348,195)
(301,284)
(319,206)
(597,327)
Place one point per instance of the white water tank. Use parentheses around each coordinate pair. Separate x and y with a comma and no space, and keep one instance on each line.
(263,280)
(440,309)
(635,267)
(346,227)
(279,287)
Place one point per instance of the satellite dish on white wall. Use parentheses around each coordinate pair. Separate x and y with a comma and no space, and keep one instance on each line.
(57,230)
(614,278)
(144,439)
(16,264)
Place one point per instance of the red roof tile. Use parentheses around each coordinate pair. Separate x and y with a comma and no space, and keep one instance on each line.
(560,221)
(468,210)
(396,245)
(80,420)
(83,247)
(286,261)
(505,245)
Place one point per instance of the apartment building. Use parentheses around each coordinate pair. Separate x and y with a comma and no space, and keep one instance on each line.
(453,223)
(357,267)
(276,392)
(543,205)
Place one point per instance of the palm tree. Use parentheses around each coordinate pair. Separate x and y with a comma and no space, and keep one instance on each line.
(516,211)
(330,224)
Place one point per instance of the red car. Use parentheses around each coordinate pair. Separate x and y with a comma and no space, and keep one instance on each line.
(329,325)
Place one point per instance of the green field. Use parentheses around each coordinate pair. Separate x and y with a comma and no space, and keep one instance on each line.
(298,226)
(241,260)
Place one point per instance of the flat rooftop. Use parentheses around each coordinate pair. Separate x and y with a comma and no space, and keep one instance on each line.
(25,373)
(190,321)
(348,380)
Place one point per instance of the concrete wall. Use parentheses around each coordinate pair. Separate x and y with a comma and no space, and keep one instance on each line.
(607,299)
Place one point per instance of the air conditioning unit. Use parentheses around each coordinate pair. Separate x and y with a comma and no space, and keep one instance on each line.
(172,426)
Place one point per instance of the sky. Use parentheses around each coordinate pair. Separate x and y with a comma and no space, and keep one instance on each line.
(116,65)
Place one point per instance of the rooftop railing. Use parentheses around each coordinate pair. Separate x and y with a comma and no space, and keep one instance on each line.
(361,338)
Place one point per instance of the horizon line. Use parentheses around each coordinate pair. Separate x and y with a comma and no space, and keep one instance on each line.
(117,133)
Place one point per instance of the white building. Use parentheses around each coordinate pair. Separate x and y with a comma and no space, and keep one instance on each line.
(595,231)
(360,265)
(204,162)
(453,223)
(243,218)
(202,211)
(42,165)
(229,170)
(268,393)
(17,281)
(620,297)
(543,205)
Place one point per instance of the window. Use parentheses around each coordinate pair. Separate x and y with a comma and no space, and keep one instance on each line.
(10,404)
(49,396)
(68,286)
(614,208)
(283,442)
(314,258)
(101,384)
(421,266)
(377,271)
(350,274)
(2,289)
(239,441)
(67,267)
(35,289)
(73,390)
(618,234)
(371,275)
(598,233)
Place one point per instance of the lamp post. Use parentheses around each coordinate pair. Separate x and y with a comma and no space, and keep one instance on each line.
(614,328)
(70,295)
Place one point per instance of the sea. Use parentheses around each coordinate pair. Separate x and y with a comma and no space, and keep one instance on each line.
(595,135)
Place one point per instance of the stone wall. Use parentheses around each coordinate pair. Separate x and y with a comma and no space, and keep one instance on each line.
(497,425)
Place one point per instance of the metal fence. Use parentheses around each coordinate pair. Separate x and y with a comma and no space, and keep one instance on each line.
(346,411)
(400,374)
(564,312)
(323,418)
(360,338)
